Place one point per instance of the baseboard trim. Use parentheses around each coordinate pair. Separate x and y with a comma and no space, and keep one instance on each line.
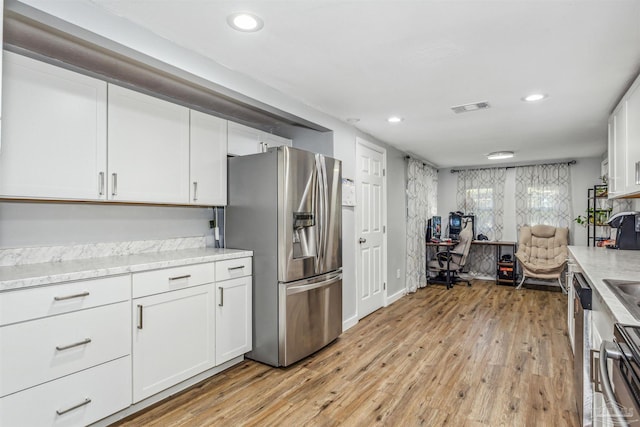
(349,323)
(395,297)
(165,394)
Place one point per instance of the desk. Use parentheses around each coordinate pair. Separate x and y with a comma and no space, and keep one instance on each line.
(447,246)
(500,279)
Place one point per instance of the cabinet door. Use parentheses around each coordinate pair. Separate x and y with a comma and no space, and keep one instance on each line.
(148,148)
(617,162)
(208,184)
(53,133)
(633,141)
(233,318)
(243,140)
(172,338)
(269,140)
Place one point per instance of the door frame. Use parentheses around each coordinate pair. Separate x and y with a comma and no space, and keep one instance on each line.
(360,142)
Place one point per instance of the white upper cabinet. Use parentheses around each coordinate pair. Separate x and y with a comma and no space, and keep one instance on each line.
(148,148)
(624,145)
(243,140)
(67,136)
(633,140)
(270,140)
(53,134)
(208,160)
(617,147)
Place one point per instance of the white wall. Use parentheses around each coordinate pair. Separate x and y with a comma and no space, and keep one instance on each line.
(584,174)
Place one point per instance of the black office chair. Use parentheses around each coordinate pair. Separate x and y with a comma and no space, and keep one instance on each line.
(453,261)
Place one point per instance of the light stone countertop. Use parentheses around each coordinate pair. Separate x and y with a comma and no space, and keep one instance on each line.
(602,263)
(29,275)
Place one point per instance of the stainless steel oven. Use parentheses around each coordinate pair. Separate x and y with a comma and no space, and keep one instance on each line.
(621,389)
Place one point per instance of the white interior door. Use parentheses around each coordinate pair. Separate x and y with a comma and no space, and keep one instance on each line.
(370,228)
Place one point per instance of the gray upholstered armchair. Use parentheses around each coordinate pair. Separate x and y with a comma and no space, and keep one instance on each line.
(542,252)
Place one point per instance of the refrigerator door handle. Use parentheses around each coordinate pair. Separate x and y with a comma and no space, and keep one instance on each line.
(307,285)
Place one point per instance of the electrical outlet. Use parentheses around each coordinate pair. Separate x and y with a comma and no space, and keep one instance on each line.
(397,273)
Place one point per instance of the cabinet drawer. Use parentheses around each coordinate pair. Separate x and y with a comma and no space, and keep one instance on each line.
(106,389)
(169,279)
(27,304)
(233,268)
(44,349)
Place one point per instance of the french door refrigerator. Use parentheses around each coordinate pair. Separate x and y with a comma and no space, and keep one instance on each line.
(285,205)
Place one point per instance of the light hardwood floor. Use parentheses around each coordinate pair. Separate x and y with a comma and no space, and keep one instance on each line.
(484,355)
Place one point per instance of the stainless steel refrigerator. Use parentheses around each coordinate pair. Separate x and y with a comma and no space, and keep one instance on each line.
(285,205)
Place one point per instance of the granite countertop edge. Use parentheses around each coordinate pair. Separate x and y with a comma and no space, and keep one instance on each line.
(42,274)
(598,264)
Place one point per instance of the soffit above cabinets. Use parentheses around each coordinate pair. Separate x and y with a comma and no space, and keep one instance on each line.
(36,34)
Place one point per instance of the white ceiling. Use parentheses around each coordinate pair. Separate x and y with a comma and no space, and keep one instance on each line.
(369,59)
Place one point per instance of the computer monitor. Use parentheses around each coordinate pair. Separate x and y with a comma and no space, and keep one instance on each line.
(436,227)
(455,226)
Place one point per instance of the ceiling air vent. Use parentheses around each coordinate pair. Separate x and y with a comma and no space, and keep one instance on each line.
(482,105)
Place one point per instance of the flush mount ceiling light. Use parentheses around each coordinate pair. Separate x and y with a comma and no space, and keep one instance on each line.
(474,106)
(499,155)
(395,119)
(534,97)
(244,21)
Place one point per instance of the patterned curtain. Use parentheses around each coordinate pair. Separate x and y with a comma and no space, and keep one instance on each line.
(543,195)
(481,193)
(422,196)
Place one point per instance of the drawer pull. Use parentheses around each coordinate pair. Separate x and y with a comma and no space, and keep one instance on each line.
(77,344)
(186,276)
(80,295)
(139,316)
(235,268)
(221,304)
(79,405)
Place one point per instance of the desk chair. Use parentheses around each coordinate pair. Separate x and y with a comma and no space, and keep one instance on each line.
(448,264)
(542,252)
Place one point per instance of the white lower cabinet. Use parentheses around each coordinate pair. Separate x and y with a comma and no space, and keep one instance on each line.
(173,338)
(65,352)
(45,349)
(233,318)
(74,400)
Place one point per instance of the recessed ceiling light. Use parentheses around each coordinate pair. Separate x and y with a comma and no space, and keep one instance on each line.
(534,97)
(244,21)
(395,119)
(498,155)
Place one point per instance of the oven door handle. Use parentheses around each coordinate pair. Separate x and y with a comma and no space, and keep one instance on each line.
(609,350)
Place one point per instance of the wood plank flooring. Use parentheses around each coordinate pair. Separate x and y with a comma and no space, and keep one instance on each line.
(484,355)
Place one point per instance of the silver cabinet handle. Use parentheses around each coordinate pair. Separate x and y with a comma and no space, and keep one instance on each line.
(80,295)
(114,184)
(101,184)
(186,276)
(221,303)
(362,240)
(195,191)
(77,344)
(139,316)
(79,405)
(235,268)
(637,173)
